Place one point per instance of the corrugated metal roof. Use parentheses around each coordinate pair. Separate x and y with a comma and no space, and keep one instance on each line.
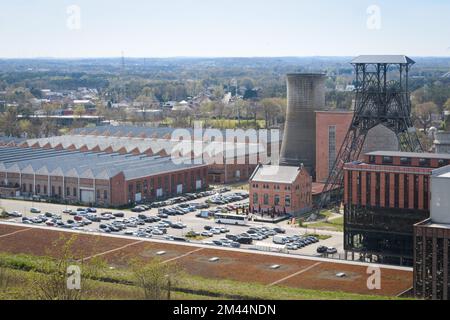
(388,59)
(87,164)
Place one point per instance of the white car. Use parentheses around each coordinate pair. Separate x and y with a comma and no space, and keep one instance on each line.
(35,210)
(207,234)
(215,231)
(331,250)
(157,232)
(15,214)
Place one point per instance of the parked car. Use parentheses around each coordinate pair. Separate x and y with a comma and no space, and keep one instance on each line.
(15,214)
(244,240)
(331,250)
(119,214)
(35,210)
(279,230)
(322,249)
(138,209)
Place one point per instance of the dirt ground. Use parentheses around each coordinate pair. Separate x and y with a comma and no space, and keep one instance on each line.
(232,265)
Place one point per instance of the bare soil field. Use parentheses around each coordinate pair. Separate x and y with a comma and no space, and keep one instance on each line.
(323,276)
(232,265)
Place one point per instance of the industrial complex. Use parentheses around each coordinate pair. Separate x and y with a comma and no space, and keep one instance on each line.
(367,161)
(95,178)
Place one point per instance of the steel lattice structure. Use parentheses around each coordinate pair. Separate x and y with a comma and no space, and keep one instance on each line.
(382,97)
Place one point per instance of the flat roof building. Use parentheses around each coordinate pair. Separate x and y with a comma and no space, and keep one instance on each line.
(432,242)
(384,196)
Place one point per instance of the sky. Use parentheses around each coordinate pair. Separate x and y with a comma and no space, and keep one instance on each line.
(213,28)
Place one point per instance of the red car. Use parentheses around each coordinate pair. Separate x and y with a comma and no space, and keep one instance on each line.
(78,218)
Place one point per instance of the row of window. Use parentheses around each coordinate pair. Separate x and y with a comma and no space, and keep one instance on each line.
(406,161)
(275,187)
(388,191)
(147,185)
(59,191)
(287,200)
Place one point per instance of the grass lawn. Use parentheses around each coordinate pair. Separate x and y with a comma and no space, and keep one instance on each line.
(332,225)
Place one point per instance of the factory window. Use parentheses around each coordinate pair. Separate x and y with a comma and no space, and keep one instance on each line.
(255,198)
(331,147)
(423,162)
(396,190)
(442,162)
(24,187)
(67,191)
(359,188)
(416,192)
(130,187)
(38,188)
(266,199)
(145,186)
(387,190)
(105,194)
(405,161)
(387,160)
(59,191)
(74,192)
(45,189)
(277,200)
(377,189)
(368,193)
(372,159)
(350,187)
(31,188)
(287,201)
(426,204)
(98,194)
(406,191)
(138,187)
(53,191)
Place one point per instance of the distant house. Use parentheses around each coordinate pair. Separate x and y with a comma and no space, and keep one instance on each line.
(169,104)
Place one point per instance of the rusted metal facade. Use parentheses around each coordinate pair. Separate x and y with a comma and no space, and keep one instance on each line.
(431,261)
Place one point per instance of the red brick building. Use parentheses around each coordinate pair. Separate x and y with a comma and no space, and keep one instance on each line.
(331,129)
(384,196)
(280,189)
(95,178)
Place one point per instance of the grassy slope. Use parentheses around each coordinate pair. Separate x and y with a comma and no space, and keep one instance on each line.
(116,284)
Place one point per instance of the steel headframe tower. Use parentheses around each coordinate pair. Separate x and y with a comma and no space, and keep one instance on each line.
(382,97)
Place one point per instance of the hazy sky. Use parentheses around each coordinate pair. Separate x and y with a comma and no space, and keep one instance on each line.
(168,28)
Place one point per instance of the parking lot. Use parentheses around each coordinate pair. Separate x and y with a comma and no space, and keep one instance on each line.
(183,225)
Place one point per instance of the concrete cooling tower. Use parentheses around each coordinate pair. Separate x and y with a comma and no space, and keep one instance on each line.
(306,94)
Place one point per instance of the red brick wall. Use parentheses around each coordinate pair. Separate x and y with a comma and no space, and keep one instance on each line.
(342,121)
(386,177)
(301,197)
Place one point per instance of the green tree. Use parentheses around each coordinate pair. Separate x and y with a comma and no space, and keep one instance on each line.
(155,278)
(423,114)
